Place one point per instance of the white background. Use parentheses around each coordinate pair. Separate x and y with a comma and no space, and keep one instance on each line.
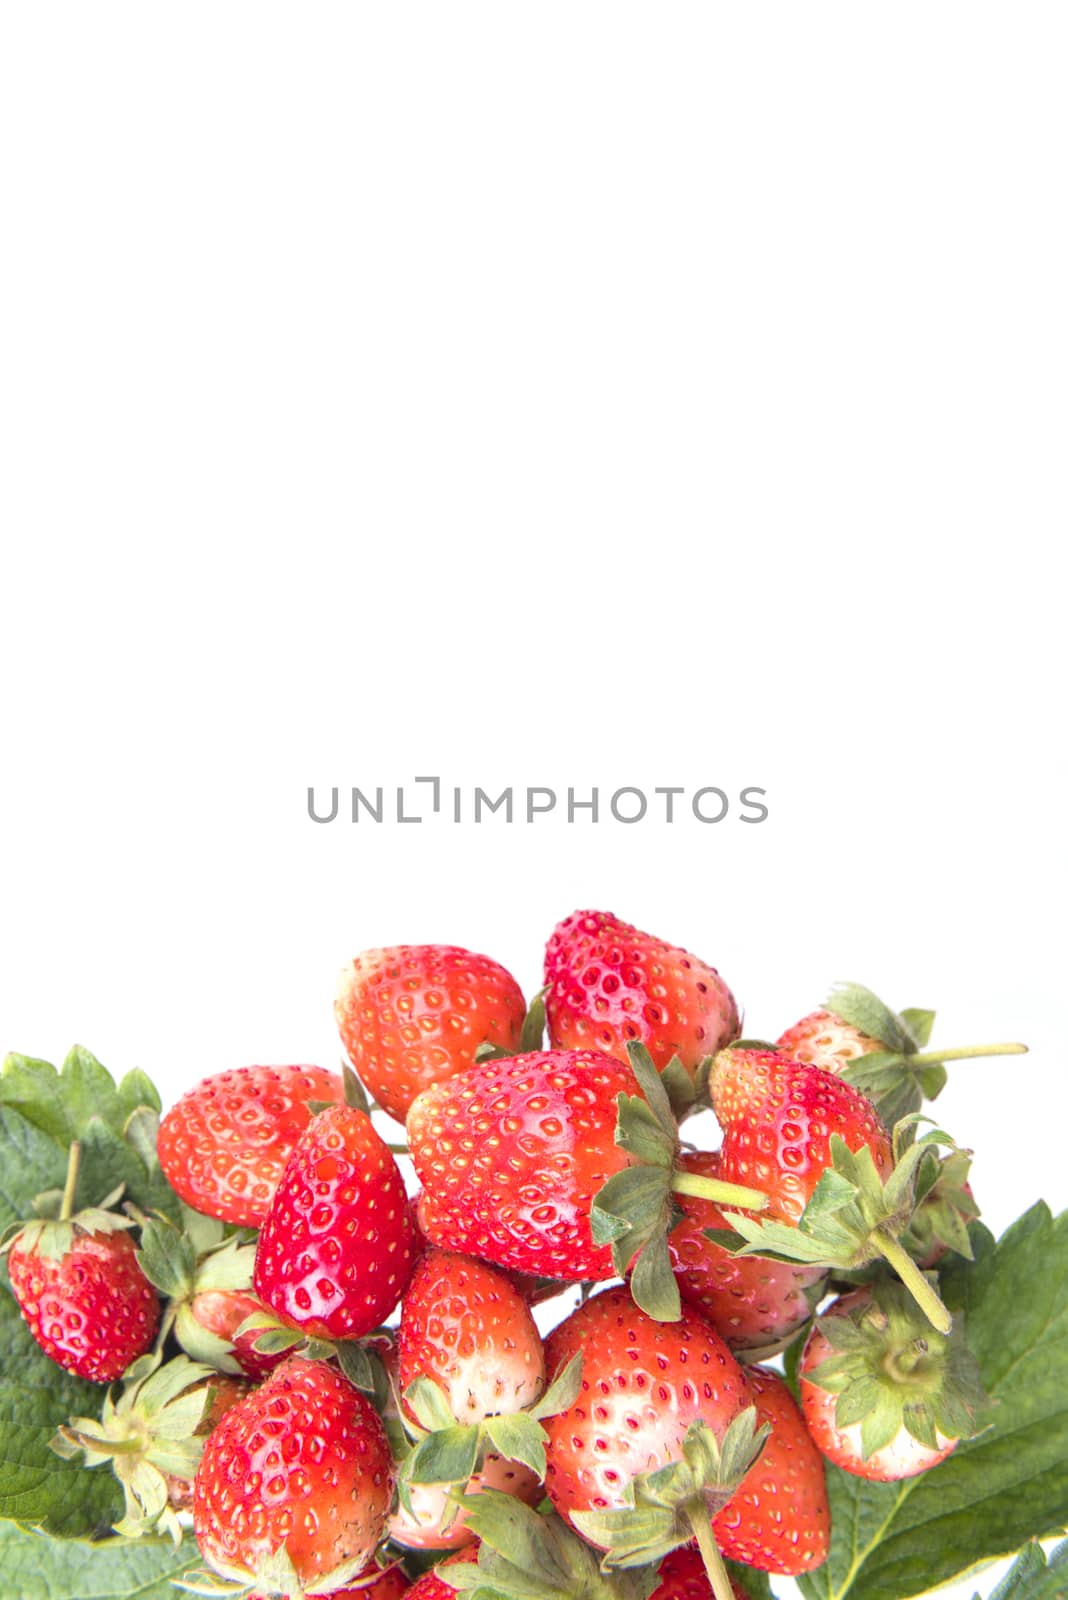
(571,394)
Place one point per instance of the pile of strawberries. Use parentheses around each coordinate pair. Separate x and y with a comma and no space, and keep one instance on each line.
(357,1390)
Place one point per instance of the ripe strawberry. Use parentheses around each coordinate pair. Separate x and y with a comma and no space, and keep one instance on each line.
(753,1303)
(223,1144)
(778,1519)
(682,1577)
(221,1312)
(610,984)
(885,1397)
(431,1587)
(336,1249)
(415,1014)
(521,1160)
(778,1117)
(80,1288)
(466,1327)
(294,1486)
(644,1385)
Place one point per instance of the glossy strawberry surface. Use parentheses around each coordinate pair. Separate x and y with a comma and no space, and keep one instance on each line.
(464,1325)
(682,1576)
(609,984)
(303,1461)
(337,1248)
(752,1302)
(224,1144)
(778,1117)
(91,1309)
(643,1384)
(778,1519)
(511,1155)
(413,1015)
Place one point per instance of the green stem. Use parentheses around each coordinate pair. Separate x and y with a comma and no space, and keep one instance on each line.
(913,1279)
(399,1149)
(718,1191)
(934,1058)
(73,1162)
(700,1522)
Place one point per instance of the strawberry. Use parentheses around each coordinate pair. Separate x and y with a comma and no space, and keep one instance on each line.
(294,1486)
(883,1396)
(753,1303)
(778,1519)
(559,1164)
(415,1014)
(879,1050)
(778,1117)
(658,1438)
(609,984)
(466,1327)
(431,1587)
(222,1313)
(824,1160)
(80,1287)
(224,1143)
(432,1520)
(337,1248)
(682,1576)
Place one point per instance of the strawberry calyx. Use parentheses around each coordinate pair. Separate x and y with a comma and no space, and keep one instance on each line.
(891,1371)
(898,1077)
(523,1552)
(634,1211)
(853,1217)
(673,1505)
(444,1452)
(147,1430)
(201,1256)
(943,1213)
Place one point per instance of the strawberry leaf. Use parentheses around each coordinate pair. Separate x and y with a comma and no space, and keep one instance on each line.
(1010,1483)
(1034,1577)
(36,1567)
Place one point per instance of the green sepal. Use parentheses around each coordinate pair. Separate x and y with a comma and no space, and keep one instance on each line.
(426,1399)
(919,1024)
(448,1455)
(863,1010)
(945,1209)
(532,1035)
(354,1092)
(561,1393)
(168,1258)
(519,1436)
(891,1370)
(659,1506)
(653,1284)
(529,1555)
(365,1370)
(272,1337)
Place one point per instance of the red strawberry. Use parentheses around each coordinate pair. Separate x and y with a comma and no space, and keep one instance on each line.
(466,1327)
(682,1577)
(221,1312)
(511,1155)
(644,1384)
(905,1394)
(223,1144)
(752,1303)
(610,984)
(415,1014)
(431,1587)
(337,1248)
(823,1040)
(778,1117)
(295,1483)
(80,1288)
(778,1519)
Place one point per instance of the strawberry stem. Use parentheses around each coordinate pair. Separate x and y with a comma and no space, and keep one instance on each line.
(699,1520)
(74,1157)
(719,1191)
(933,1058)
(913,1279)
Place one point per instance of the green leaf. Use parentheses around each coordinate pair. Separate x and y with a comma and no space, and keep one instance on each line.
(36,1567)
(36,1396)
(1008,1485)
(1033,1576)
